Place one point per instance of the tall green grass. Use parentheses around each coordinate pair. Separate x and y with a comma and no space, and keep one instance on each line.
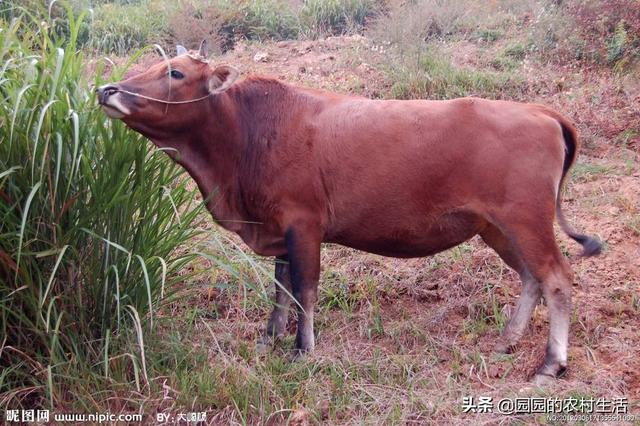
(121,28)
(259,19)
(90,220)
(321,17)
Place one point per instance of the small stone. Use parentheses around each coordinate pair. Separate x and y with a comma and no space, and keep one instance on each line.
(261,57)
(363,67)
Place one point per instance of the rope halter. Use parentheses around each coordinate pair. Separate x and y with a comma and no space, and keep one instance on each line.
(162,101)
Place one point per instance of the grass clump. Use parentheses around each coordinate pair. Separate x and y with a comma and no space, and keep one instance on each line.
(413,23)
(263,19)
(120,28)
(319,17)
(430,75)
(91,219)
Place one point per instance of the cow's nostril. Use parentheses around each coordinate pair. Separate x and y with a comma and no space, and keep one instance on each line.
(105,91)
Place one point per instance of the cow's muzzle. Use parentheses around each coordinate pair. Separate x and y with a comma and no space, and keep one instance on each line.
(110,98)
(104,92)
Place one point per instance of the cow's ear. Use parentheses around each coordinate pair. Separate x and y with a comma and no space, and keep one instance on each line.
(222,78)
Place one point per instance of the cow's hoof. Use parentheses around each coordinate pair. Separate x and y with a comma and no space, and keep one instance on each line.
(299,355)
(547,374)
(543,380)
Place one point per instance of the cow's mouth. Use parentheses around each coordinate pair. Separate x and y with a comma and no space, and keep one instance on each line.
(112,112)
(112,105)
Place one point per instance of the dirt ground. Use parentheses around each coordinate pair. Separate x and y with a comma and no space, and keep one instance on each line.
(430,323)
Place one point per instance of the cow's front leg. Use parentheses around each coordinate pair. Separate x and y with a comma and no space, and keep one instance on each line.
(303,249)
(277,324)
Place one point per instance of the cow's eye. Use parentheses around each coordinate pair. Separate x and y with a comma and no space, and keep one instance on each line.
(176,74)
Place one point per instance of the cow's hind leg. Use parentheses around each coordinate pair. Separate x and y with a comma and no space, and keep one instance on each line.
(535,242)
(529,297)
(556,289)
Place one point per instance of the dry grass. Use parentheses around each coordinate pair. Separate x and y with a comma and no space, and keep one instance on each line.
(192,23)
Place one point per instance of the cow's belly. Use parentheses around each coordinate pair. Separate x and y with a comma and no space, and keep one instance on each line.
(405,238)
(417,239)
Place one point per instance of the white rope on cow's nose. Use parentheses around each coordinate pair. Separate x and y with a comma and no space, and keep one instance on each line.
(162,100)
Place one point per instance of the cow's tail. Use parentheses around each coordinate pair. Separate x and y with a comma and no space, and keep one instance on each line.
(591,245)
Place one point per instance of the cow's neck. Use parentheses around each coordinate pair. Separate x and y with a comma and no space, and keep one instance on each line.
(223,152)
(210,152)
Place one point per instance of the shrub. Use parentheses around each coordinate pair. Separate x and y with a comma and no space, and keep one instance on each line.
(595,32)
(409,24)
(91,219)
(194,22)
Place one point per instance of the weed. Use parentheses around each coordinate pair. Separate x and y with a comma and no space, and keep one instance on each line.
(502,63)
(626,137)
(617,44)
(488,35)
(485,316)
(634,224)
(335,293)
(585,172)
(376,326)
(515,51)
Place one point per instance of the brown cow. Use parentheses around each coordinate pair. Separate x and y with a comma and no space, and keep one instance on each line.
(293,167)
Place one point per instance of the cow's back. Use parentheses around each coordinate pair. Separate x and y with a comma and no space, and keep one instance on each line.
(397,169)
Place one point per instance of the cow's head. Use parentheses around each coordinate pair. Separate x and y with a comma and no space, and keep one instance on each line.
(167,97)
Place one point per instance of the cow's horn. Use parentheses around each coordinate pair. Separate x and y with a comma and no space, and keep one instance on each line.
(203,51)
(180,50)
